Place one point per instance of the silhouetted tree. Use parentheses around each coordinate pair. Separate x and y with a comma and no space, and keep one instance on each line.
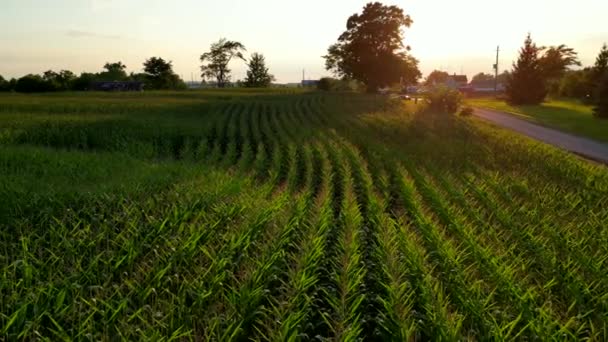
(33,84)
(4,84)
(371,50)
(326,83)
(526,85)
(84,81)
(159,75)
(61,80)
(113,72)
(554,63)
(556,60)
(215,62)
(601,64)
(436,77)
(601,107)
(482,77)
(258,75)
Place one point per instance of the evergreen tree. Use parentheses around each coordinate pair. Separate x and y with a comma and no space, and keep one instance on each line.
(601,64)
(601,107)
(526,85)
(257,75)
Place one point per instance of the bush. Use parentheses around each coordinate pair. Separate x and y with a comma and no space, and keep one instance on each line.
(326,83)
(466,111)
(444,100)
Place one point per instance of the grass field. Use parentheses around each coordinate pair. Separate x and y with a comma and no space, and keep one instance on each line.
(565,115)
(234,215)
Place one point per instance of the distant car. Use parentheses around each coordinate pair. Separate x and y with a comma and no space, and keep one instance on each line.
(405,97)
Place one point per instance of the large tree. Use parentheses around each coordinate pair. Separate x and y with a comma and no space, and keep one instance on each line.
(371,50)
(526,85)
(159,74)
(215,62)
(554,63)
(114,72)
(61,80)
(556,60)
(258,75)
(436,77)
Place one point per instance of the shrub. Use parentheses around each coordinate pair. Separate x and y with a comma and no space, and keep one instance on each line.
(444,100)
(466,111)
(326,83)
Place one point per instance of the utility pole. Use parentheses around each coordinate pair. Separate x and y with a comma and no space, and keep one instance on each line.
(496,71)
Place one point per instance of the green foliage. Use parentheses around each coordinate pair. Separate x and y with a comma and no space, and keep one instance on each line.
(556,60)
(4,84)
(159,75)
(371,50)
(482,77)
(113,72)
(444,100)
(466,111)
(526,84)
(601,64)
(326,83)
(332,84)
(436,77)
(258,75)
(577,84)
(34,84)
(215,62)
(285,215)
(601,108)
(571,116)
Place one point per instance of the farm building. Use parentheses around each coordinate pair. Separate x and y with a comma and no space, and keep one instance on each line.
(118,86)
(457,81)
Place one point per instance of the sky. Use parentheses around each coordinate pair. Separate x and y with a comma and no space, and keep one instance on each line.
(453,36)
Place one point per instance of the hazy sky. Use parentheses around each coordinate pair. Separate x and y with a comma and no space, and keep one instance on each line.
(455,36)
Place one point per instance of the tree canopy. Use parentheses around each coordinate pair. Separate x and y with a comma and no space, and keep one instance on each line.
(158,74)
(556,60)
(258,75)
(215,62)
(371,50)
(113,72)
(526,85)
(482,77)
(436,77)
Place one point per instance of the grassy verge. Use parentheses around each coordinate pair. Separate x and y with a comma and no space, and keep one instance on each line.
(565,115)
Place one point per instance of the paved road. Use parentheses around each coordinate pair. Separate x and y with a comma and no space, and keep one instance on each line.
(586,147)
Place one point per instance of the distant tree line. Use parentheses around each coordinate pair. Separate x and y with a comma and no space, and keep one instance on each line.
(158,74)
(541,71)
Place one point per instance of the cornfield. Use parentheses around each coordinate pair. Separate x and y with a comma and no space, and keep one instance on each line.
(287,216)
